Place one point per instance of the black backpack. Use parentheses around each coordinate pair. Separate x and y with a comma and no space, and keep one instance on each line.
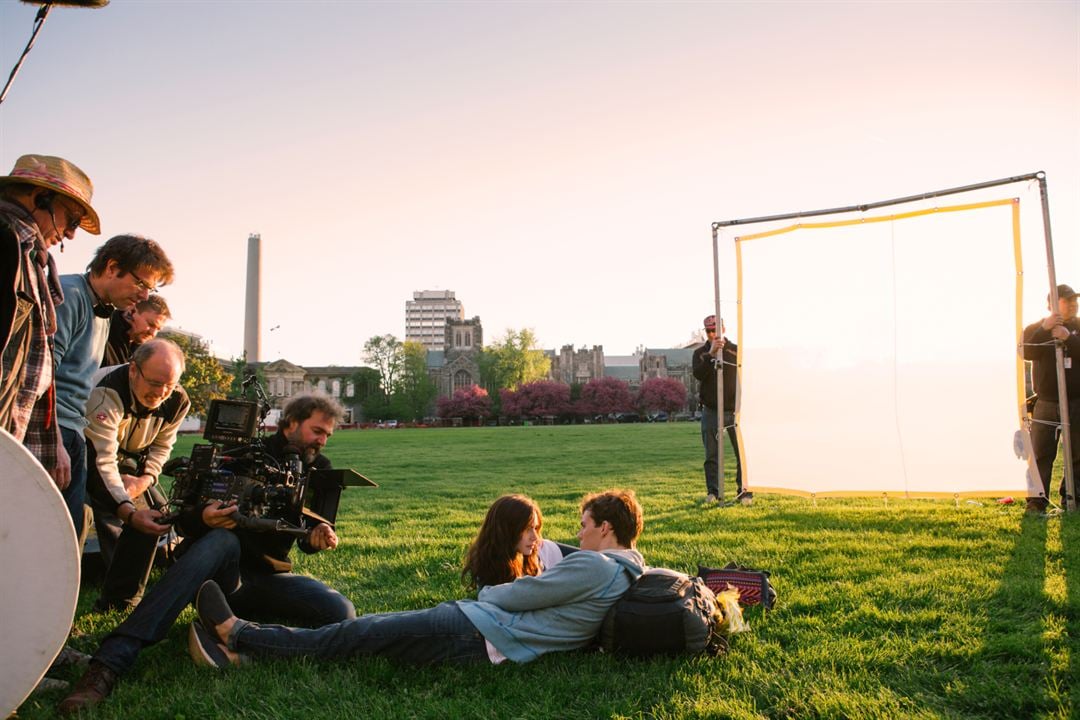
(664,612)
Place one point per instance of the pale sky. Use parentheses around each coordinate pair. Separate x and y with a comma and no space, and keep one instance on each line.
(557,165)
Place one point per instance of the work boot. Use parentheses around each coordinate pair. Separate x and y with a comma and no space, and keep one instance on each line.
(91,689)
(1035,506)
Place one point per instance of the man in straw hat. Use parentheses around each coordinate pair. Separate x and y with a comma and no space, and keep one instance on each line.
(42,202)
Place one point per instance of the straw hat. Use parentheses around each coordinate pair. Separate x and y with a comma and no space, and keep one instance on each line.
(61,176)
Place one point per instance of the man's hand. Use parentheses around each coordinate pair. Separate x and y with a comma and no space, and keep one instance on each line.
(322,537)
(1060,332)
(146,521)
(61,474)
(717,346)
(220,515)
(136,485)
(1051,322)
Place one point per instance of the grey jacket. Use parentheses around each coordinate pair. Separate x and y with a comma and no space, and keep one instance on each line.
(560,609)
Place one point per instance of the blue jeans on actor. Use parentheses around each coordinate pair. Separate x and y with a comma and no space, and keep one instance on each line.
(419,637)
(75,493)
(709,438)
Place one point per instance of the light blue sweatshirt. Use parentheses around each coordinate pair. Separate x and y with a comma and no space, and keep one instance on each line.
(560,609)
(78,347)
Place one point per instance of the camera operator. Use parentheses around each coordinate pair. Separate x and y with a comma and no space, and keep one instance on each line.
(252,568)
(133,414)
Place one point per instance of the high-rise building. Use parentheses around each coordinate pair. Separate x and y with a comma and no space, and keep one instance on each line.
(426,315)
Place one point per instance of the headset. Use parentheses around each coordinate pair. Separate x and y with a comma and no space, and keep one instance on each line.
(46,200)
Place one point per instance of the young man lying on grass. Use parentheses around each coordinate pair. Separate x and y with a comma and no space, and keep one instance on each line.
(561,609)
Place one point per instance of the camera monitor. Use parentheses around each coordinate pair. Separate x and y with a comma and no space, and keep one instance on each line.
(231,421)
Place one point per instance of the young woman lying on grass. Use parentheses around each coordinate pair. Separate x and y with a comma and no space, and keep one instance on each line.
(509,544)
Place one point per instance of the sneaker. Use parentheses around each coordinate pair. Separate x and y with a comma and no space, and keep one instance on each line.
(1035,506)
(93,687)
(47,683)
(205,649)
(70,657)
(745,497)
(710,499)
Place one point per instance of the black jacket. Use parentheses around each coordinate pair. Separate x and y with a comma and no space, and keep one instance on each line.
(1040,350)
(261,551)
(705,372)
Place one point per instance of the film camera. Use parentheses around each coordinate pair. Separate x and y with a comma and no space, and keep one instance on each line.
(270,494)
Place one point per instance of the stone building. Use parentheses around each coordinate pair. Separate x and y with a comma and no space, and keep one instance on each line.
(675,363)
(284,380)
(571,366)
(457,365)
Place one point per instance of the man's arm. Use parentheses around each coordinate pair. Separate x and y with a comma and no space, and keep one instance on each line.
(702,363)
(576,578)
(104,412)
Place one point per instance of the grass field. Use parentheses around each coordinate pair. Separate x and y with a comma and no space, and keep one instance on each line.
(918,609)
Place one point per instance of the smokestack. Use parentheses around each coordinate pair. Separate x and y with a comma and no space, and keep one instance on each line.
(252,315)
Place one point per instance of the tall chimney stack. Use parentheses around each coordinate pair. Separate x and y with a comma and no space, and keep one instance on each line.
(252,314)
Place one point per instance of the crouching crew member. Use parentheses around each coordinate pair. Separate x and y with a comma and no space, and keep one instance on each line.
(133,414)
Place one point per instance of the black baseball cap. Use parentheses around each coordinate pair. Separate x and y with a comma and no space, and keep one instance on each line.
(1064,293)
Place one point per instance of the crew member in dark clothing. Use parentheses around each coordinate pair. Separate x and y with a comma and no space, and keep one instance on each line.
(253,568)
(1040,339)
(705,364)
(128,329)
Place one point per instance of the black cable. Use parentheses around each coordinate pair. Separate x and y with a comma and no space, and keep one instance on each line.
(39,20)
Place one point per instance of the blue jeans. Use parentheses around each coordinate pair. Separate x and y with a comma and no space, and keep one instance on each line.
(75,493)
(420,637)
(216,556)
(710,435)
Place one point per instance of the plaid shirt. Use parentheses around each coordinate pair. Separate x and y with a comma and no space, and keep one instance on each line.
(33,415)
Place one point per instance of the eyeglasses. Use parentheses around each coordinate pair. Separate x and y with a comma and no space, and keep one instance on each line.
(143,285)
(167,387)
(75,217)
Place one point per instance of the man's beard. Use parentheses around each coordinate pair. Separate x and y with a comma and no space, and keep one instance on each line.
(308,454)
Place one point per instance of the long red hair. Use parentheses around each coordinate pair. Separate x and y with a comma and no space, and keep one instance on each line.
(493,559)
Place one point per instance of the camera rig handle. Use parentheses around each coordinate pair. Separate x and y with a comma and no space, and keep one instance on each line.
(246,522)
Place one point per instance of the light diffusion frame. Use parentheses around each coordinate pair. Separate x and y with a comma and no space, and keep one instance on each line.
(880,349)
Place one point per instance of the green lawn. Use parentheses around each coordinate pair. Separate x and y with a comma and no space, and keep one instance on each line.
(917,609)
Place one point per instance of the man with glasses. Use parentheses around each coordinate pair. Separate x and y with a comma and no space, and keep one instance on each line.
(133,414)
(123,271)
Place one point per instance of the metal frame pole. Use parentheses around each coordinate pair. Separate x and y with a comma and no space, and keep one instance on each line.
(720,367)
(1059,358)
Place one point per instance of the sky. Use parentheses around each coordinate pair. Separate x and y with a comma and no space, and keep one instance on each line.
(557,165)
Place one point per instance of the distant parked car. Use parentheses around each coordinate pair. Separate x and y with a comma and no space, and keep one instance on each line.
(628,418)
(658,417)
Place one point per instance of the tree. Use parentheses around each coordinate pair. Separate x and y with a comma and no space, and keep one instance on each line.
(662,394)
(604,396)
(204,378)
(241,369)
(512,361)
(384,353)
(537,399)
(470,403)
(411,399)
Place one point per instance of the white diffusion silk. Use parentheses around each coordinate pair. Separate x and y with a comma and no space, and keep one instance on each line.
(879,354)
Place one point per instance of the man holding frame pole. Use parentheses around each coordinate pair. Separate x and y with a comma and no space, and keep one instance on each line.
(714,365)
(1053,346)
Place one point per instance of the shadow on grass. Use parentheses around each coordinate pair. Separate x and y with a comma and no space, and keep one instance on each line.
(1012,637)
